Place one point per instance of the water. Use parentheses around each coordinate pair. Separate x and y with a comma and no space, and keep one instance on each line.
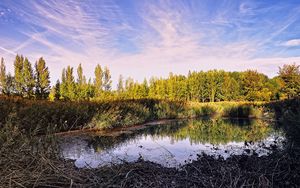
(173,143)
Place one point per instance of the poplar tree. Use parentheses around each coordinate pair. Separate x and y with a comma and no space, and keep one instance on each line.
(98,80)
(70,83)
(144,89)
(28,79)
(63,88)
(83,89)
(19,79)
(80,77)
(10,85)
(67,86)
(3,78)
(42,79)
(120,86)
(106,79)
(55,92)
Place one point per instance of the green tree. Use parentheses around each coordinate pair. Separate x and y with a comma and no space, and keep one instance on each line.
(42,79)
(18,70)
(28,79)
(55,92)
(202,86)
(129,88)
(290,74)
(82,86)
(98,80)
(10,85)
(230,88)
(80,77)
(120,86)
(144,89)
(3,78)
(70,81)
(274,85)
(63,85)
(254,86)
(68,87)
(214,83)
(106,79)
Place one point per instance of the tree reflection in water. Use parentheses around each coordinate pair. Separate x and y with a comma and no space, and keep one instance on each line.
(176,140)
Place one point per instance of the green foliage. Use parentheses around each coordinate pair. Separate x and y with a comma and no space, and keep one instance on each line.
(222,131)
(290,74)
(210,86)
(28,79)
(106,79)
(120,86)
(19,80)
(68,87)
(38,117)
(55,92)
(42,79)
(98,81)
(3,78)
(254,86)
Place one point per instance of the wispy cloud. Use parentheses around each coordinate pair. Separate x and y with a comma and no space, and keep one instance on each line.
(151,37)
(291,43)
(7,51)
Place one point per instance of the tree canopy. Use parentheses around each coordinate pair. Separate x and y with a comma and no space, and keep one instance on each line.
(210,86)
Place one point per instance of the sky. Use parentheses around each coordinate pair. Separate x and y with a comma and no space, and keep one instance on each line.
(144,38)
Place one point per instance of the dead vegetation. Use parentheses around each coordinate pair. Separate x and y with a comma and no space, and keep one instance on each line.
(25,167)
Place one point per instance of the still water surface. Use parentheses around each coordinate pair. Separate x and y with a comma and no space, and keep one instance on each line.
(173,143)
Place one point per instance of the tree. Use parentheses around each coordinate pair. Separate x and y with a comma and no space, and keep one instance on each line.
(144,89)
(214,83)
(42,79)
(230,88)
(120,86)
(106,79)
(274,85)
(70,82)
(55,92)
(202,83)
(63,85)
(290,74)
(98,80)
(67,88)
(10,85)
(254,86)
(19,79)
(80,78)
(82,86)
(28,79)
(3,77)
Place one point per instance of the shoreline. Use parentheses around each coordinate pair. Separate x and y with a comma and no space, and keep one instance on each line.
(148,123)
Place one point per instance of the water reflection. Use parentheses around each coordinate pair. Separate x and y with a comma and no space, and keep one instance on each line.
(173,143)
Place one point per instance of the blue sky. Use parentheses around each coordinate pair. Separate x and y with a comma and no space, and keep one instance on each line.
(143,38)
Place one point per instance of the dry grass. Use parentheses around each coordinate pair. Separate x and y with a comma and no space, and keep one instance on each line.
(23,166)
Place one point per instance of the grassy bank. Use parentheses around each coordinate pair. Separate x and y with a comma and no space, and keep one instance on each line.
(41,117)
(22,165)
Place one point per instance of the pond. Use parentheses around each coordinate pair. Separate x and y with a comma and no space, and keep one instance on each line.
(173,143)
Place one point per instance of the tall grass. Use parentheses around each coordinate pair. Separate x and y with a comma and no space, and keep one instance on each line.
(40,117)
(226,109)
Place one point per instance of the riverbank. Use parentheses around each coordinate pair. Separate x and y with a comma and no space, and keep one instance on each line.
(24,166)
(36,117)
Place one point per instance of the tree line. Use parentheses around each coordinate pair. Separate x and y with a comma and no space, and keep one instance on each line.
(215,85)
